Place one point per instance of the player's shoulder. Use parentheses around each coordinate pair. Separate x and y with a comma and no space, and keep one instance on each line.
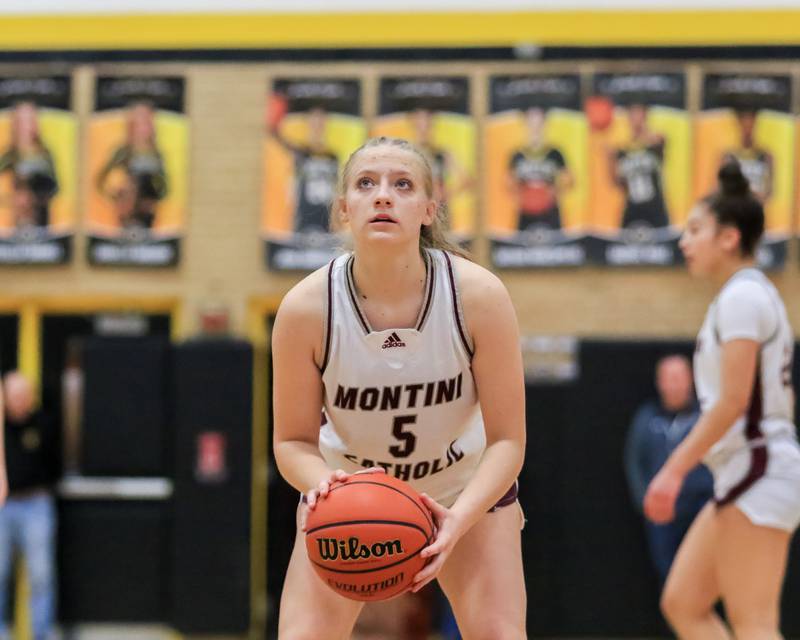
(305,302)
(477,286)
(749,285)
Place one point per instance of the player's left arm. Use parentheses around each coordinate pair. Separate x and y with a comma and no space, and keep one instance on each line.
(497,370)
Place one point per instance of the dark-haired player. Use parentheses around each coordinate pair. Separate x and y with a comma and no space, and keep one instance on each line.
(737,548)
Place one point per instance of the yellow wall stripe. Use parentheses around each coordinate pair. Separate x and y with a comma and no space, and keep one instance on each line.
(219,31)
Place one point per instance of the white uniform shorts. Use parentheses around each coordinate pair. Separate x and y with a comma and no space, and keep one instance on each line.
(763,481)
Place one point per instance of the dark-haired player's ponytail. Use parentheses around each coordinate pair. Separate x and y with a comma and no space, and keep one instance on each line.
(732,182)
(735,205)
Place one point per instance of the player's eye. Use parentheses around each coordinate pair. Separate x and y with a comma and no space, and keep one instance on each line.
(362,183)
(404,183)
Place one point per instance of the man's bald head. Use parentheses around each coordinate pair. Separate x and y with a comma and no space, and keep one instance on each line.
(18,395)
(674,382)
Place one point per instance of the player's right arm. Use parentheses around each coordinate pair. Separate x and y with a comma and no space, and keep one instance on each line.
(297,337)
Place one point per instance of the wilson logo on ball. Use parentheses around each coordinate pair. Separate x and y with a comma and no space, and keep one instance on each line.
(331,549)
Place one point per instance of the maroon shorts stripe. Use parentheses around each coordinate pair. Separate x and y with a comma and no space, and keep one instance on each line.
(509,497)
(758,454)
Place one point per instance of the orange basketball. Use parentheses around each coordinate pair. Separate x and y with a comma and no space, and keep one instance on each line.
(365,537)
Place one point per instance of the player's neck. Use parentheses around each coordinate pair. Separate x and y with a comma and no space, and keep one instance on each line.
(388,275)
(726,270)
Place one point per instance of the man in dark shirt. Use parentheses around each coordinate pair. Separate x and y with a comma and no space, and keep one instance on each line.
(657,428)
(28,519)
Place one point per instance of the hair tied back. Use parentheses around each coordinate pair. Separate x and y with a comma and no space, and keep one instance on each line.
(732,182)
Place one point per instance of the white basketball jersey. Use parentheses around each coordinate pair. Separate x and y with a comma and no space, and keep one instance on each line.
(402,399)
(749,307)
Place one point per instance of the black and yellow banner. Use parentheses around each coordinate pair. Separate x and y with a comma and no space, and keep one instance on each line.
(38,171)
(137,186)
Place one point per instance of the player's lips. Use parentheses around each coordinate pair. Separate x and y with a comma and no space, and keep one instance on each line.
(383,217)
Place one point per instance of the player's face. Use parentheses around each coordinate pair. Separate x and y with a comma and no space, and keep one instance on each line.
(535,121)
(25,121)
(387,198)
(705,243)
(316,126)
(637,116)
(142,125)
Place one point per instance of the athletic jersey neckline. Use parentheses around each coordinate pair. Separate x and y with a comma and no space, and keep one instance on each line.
(424,310)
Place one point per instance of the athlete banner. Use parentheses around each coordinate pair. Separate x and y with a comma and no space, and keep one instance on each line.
(138,140)
(537,179)
(38,171)
(434,114)
(747,118)
(640,167)
(313,125)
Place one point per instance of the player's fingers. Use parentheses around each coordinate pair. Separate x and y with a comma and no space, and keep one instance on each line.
(427,574)
(323,489)
(436,547)
(311,498)
(436,509)
(370,470)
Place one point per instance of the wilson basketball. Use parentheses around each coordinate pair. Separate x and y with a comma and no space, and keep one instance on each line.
(365,537)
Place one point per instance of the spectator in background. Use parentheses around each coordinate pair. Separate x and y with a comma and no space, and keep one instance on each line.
(28,519)
(657,428)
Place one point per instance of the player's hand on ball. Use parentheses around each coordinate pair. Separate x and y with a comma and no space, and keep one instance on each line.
(448,532)
(659,501)
(320,492)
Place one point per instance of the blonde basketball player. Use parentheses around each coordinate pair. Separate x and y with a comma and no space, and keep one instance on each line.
(737,548)
(402,312)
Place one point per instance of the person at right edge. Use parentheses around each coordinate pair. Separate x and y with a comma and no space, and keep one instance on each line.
(737,548)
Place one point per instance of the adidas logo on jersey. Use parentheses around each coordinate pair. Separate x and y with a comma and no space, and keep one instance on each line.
(393,341)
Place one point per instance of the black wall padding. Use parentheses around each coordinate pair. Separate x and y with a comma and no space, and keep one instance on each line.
(212,383)
(125,407)
(112,561)
(9,333)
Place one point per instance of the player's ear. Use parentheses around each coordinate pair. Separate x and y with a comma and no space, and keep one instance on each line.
(730,237)
(430,212)
(341,208)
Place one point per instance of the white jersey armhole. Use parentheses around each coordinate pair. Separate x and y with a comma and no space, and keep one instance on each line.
(458,309)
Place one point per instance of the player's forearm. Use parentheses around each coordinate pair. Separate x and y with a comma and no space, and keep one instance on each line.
(497,471)
(709,429)
(301,464)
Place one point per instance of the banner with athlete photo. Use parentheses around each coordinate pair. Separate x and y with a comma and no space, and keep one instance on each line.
(748,118)
(640,167)
(434,114)
(537,179)
(137,183)
(38,170)
(313,125)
